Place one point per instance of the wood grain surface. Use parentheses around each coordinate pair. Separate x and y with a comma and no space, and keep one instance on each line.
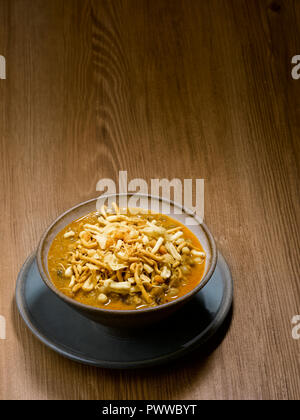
(162,89)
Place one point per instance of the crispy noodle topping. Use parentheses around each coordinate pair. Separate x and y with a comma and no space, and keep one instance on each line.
(127,256)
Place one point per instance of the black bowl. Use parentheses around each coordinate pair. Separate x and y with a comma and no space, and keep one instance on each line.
(138,317)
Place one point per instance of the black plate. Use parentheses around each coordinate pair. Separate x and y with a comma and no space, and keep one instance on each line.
(77,338)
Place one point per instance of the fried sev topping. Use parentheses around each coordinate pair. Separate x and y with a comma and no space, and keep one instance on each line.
(131,257)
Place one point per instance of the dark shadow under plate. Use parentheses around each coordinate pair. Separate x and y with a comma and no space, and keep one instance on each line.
(67,332)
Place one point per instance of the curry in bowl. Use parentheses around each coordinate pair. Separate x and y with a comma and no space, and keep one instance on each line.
(127,259)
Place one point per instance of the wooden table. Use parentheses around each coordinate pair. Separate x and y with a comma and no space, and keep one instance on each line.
(162,89)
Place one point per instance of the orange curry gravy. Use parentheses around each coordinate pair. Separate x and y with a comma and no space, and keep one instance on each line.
(59,254)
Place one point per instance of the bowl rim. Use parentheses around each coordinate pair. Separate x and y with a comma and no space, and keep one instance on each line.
(130,312)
